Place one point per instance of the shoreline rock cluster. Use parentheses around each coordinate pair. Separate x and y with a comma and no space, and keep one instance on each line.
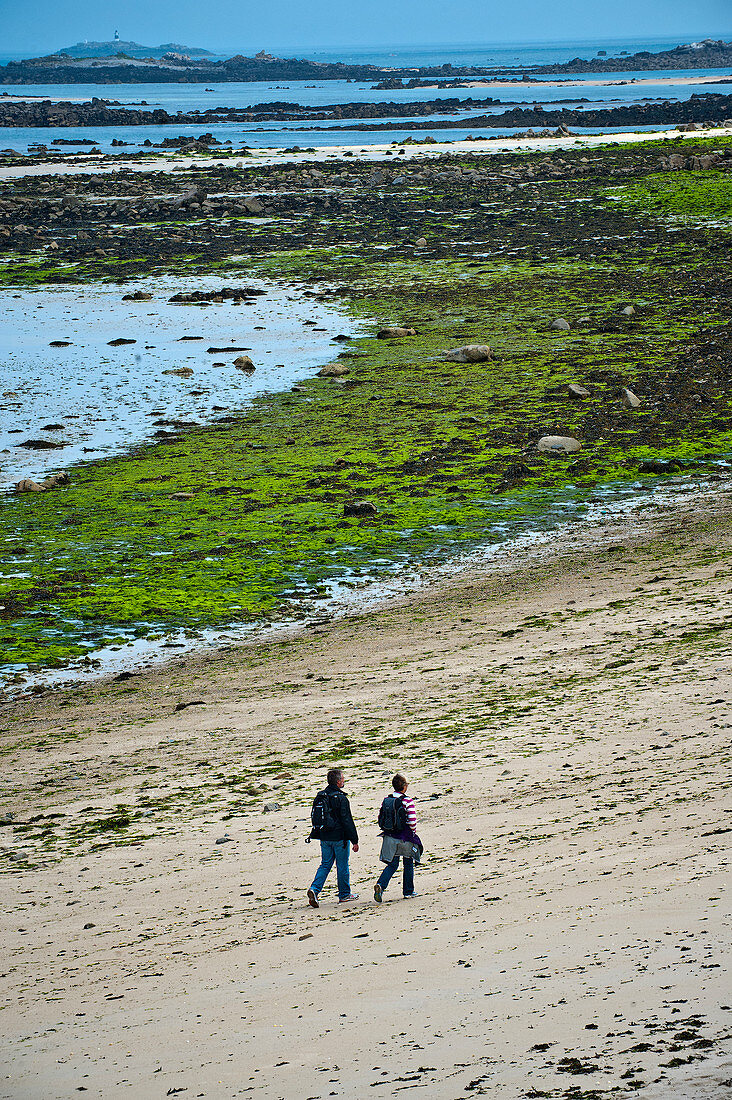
(105,112)
(709,107)
(699,108)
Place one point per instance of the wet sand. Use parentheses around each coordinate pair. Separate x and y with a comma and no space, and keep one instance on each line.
(564,722)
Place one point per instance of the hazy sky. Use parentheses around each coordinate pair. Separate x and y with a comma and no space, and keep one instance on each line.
(303,25)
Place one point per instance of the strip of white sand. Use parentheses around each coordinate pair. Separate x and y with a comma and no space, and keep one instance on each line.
(89,164)
(651,81)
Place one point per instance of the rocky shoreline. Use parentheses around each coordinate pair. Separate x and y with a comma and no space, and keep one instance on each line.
(699,108)
(63,69)
(144,220)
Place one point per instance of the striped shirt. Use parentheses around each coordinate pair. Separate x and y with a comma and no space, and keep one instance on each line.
(409,807)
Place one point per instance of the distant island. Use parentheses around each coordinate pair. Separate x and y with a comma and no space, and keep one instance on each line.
(117,47)
(178,65)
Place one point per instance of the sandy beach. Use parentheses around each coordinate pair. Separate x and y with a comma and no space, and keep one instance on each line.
(563,718)
(88,164)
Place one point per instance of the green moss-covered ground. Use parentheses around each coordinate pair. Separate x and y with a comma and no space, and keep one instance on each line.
(705,194)
(445,451)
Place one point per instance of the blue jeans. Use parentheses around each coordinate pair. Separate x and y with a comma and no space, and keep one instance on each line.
(334,851)
(407,880)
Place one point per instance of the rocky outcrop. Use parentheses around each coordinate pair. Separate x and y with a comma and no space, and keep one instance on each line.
(176,67)
(709,54)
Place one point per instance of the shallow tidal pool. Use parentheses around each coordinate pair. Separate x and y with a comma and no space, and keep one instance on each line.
(90,400)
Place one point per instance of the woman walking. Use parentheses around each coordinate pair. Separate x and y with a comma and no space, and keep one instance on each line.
(398,821)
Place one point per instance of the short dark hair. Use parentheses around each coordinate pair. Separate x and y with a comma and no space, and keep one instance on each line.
(333,776)
(399,783)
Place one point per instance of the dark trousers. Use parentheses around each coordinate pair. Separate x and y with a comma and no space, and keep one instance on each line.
(390,870)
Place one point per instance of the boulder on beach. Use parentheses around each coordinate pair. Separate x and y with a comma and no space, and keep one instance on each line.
(182,372)
(630,400)
(559,444)
(333,370)
(560,325)
(244,363)
(361,509)
(27,485)
(138,296)
(579,393)
(469,353)
(394,331)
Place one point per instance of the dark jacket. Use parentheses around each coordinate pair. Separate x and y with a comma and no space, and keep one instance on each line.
(345,829)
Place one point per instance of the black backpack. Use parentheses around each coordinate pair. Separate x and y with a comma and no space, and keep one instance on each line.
(392,815)
(324,814)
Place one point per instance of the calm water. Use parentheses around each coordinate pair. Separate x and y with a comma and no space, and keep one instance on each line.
(102,399)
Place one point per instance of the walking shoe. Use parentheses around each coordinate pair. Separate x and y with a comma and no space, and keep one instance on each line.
(313,899)
(378,893)
(412,895)
(349,897)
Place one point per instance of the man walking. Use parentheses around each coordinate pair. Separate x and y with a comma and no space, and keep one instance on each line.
(333,826)
(398,821)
